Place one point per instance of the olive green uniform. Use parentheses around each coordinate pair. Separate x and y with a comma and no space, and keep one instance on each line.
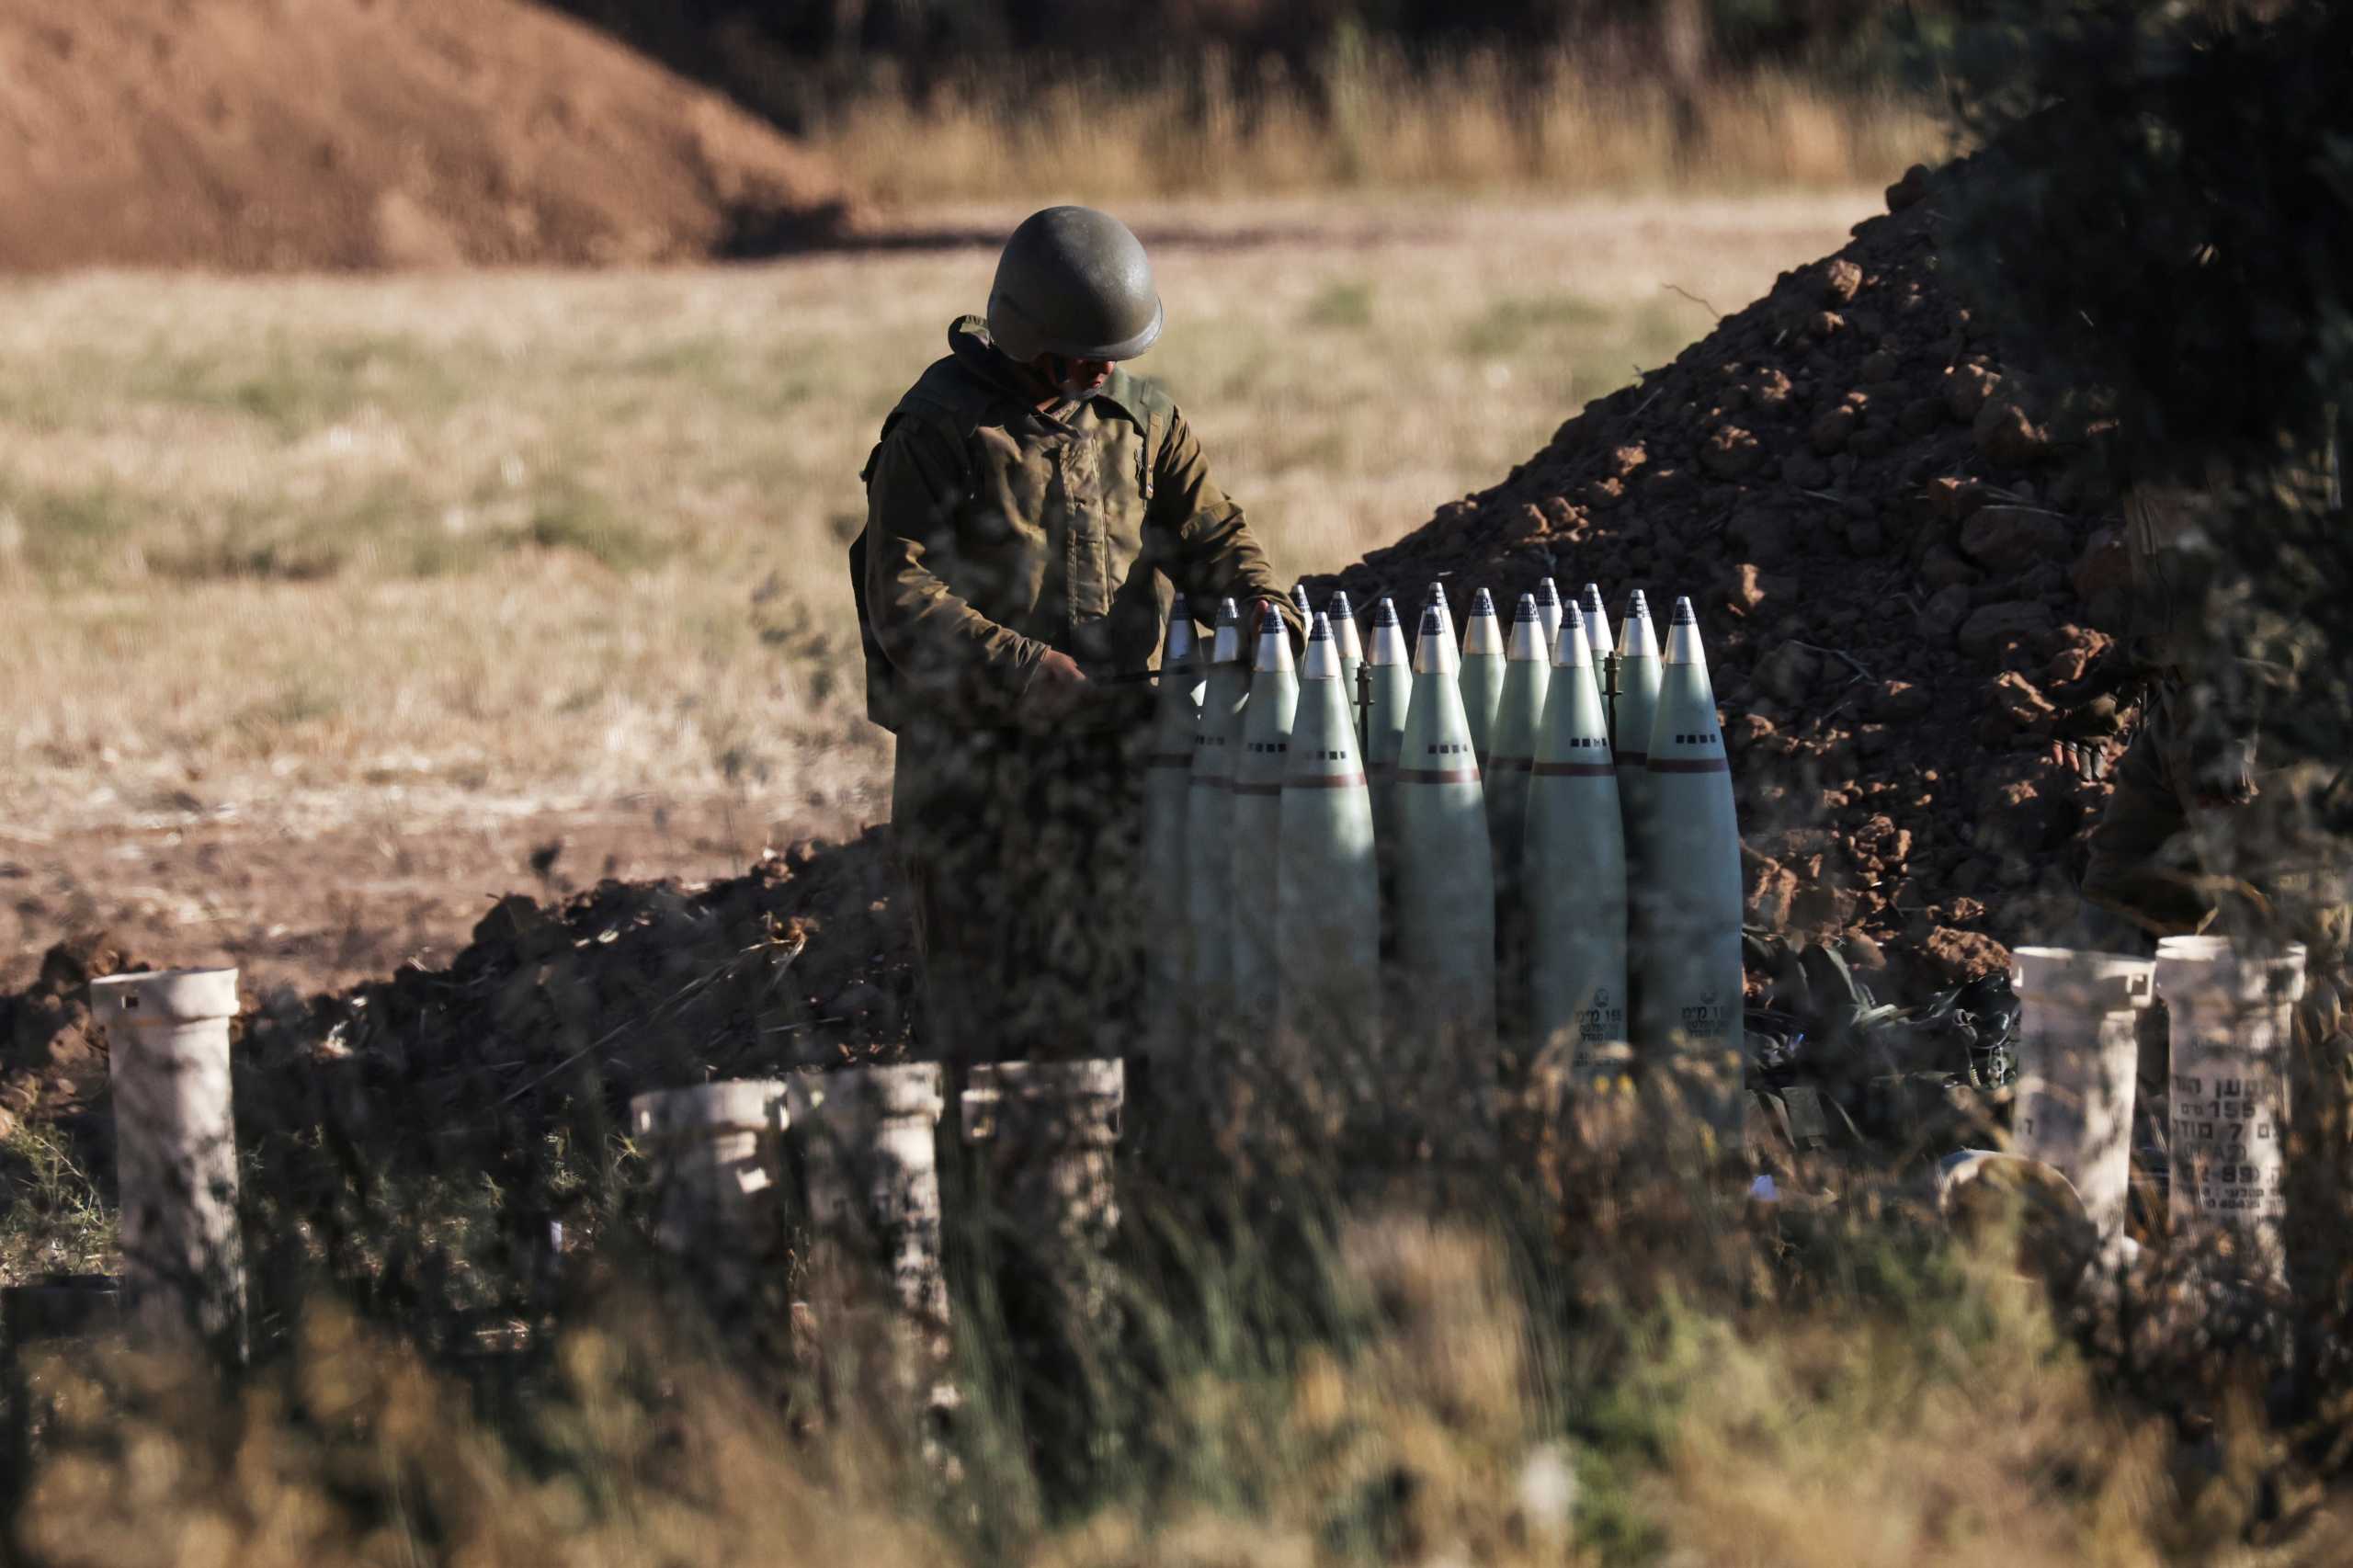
(994,532)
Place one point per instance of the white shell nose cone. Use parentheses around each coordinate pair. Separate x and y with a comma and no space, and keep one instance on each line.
(1434,652)
(1226,648)
(1682,637)
(1572,647)
(1323,660)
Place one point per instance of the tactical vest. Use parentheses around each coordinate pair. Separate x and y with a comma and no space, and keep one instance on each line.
(1049,531)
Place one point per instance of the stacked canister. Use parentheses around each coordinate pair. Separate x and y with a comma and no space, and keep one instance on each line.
(1427,842)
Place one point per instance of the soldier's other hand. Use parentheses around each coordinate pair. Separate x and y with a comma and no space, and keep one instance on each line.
(1276,608)
(1056,685)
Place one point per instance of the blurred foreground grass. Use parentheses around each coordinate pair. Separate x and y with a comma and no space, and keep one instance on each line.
(569,535)
(1419,1383)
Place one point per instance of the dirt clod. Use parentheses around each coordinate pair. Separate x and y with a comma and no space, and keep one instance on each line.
(2015,538)
(52,1050)
(1730,452)
(2007,437)
(1955,956)
(1996,628)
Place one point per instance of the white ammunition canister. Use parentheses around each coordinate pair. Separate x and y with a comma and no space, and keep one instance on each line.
(1168,953)
(2229,1018)
(1441,1034)
(2077,1052)
(871,1164)
(1328,891)
(1481,675)
(1209,823)
(176,1148)
(1349,641)
(1689,902)
(1048,1130)
(1574,869)
(1257,824)
(712,1157)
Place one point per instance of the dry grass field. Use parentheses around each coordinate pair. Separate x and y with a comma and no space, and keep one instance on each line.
(331,599)
(1370,116)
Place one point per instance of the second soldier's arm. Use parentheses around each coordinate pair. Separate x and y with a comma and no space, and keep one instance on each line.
(948,651)
(1216,556)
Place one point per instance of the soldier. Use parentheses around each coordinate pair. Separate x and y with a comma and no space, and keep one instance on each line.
(1032,509)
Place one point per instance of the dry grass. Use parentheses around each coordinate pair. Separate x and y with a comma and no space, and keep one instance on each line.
(55,1218)
(1461,1420)
(524,538)
(1373,119)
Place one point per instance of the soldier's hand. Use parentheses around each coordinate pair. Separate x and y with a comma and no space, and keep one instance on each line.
(1275,607)
(1055,688)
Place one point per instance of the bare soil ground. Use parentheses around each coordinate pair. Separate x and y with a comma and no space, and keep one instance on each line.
(271,134)
(342,903)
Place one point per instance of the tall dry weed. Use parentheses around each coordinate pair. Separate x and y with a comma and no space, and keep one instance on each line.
(1425,1383)
(1370,117)
(352,1450)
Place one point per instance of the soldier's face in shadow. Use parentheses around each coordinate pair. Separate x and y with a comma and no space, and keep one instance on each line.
(1074,379)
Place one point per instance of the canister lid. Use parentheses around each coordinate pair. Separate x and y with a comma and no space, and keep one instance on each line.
(2216,968)
(2078,977)
(741,1105)
(164,998)
(868,1093)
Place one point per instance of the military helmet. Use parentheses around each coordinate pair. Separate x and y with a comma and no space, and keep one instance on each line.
(1075,282)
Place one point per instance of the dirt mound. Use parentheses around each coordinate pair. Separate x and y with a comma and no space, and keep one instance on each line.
(272,135)
(52,1053)
(803,961)
(1892,561)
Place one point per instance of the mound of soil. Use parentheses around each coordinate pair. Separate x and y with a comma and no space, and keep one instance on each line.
(805,960)
(52,1053)
(1901,575)
(274,134)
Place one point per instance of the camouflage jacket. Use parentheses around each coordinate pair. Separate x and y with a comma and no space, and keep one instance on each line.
(996,531)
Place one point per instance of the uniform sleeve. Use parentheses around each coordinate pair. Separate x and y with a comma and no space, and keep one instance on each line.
(949,653)
(1215,557)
